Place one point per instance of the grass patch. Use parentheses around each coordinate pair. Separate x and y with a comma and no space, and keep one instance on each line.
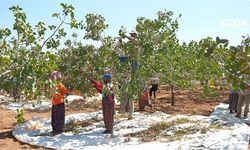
(121,115)
(178,134)
(74,126)
(182,132)
(152,133)
(212,126)
(182,120)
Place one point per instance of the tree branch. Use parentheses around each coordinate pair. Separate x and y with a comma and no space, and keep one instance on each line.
(62,22)
(6,72)
(234,75)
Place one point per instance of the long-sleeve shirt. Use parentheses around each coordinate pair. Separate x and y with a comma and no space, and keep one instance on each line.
(97,85)
(145,95)
(58,96)
(105,89)
(107,92)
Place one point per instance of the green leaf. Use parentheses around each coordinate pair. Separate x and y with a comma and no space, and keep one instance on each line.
(56,15)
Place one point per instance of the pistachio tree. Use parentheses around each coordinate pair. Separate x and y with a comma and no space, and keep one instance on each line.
(233,61)
(25,51)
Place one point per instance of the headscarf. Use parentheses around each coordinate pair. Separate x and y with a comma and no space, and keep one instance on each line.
(56,75)
(107,76)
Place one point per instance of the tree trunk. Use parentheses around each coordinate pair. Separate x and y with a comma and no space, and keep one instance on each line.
(207,83)
(131,109)
(46,88)
(172,95)
(16,93)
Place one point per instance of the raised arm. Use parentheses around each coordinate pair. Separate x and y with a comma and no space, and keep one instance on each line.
(97,85)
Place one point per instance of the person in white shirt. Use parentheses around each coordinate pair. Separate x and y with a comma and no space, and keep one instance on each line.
(154,86)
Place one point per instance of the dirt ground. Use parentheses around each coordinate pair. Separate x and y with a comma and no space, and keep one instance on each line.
(187,102)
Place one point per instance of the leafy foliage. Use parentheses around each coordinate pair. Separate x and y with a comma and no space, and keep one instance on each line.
(27,57)
(20,116)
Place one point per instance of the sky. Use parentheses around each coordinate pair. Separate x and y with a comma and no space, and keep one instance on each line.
(228,19)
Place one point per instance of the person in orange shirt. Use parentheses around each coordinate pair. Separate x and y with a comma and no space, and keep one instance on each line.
(58,107)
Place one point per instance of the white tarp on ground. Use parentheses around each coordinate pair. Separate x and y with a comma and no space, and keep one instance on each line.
(43,105)
(233,133)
